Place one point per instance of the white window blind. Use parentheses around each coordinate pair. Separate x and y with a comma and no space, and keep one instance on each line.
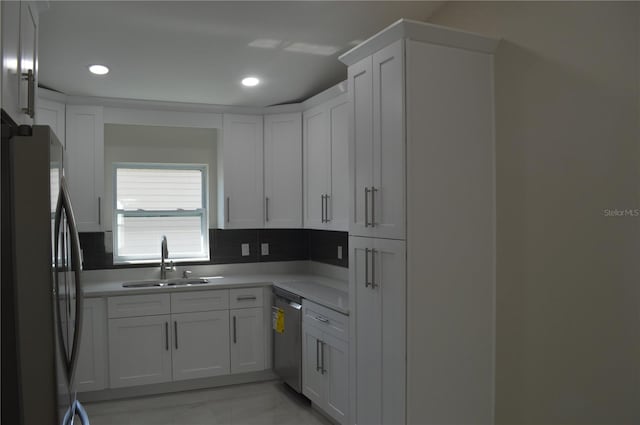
(155,200)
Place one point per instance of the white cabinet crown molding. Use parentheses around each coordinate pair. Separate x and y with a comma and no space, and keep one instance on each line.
(136,111)
(419,31)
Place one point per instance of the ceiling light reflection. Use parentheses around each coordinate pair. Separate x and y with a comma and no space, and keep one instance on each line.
(312,49)
(265,43)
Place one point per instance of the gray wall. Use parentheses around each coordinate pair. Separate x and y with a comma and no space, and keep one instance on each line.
(568,277)
(139,143)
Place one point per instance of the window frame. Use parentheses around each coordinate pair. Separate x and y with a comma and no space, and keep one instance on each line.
(200,212)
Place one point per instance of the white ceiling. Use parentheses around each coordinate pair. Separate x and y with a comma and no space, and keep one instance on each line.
(199,51)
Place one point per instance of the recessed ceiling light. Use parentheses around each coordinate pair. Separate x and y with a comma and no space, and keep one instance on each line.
(250,81)
(98,69)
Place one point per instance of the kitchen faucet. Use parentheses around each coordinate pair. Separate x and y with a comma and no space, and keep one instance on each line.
(164,253)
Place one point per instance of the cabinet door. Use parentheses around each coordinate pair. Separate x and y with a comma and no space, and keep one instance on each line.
(28,62)
(283,170)
(247,340)
(312,376)
(242,196)
(335,355)
(139,350)
(339,196)
(388,197)
(317,166)
(10,45)
(377,278)
(52,114)
(360,146)
(200,344)
(85,164)
(91,374)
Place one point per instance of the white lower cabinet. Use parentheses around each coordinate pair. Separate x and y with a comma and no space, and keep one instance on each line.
(174,337)
(325,367)
(335,357)
(200,344)
(312,377)
(91,373)
(247,340)
(377,278)
(139,350)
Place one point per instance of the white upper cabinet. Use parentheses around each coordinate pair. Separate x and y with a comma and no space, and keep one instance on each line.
(361,145)
(19,60)
(28,59)
(85,164)
(338,200)
(325,147)
(317,166)
(283,170)
(240,173)
(52,114)
(10,46)
(377,148)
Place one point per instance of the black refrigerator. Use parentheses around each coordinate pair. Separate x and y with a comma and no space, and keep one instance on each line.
(41,286)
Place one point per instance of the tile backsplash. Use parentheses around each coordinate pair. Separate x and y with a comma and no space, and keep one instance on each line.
(226,247)
(324,246)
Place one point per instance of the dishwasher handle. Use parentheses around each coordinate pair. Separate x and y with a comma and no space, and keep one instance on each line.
(295,305)
(286,296)
(289,303)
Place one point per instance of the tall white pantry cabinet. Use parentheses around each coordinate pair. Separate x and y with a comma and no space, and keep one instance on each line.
(422,226)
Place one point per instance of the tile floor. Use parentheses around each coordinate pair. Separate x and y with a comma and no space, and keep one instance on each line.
(261,403)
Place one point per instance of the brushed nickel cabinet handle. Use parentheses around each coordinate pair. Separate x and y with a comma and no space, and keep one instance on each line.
(322,208)
(366,267)
(166,336)
(245,297)
(99,211)
(373,206)
(373,269)
(228,209)
(29,76)
(266,209)
(366,207)
(318,355)
(326,208)
(175,332)
(235,335)
(322,369)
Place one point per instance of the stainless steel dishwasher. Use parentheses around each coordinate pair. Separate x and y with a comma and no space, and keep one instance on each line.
(287,344)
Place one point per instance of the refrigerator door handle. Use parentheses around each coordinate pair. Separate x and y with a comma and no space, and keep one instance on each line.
(77,262)
(56,267)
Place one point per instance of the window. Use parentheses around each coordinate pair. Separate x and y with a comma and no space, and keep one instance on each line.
(155,200)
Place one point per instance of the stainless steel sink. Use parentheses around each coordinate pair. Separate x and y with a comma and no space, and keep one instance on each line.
(164,283)
(182,282)
(142,284)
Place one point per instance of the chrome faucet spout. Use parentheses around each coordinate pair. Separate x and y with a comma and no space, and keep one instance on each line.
(164,253)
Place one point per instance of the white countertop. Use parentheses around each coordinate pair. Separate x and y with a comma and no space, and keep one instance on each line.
(331,293)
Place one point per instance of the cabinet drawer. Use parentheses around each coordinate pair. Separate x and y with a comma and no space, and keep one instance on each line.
(245,297)
(192,301)
(138,305)
(329,321)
